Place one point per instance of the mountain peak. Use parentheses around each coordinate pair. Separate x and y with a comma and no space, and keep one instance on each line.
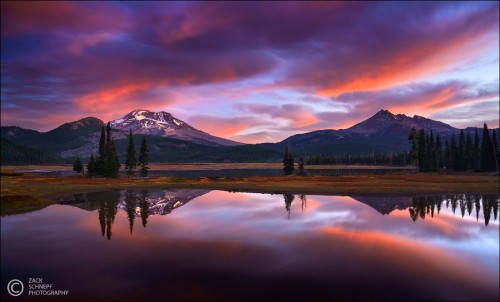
(385,120)
(384,114)
(162,123)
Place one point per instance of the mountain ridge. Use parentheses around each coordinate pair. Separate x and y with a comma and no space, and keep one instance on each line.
(172,140)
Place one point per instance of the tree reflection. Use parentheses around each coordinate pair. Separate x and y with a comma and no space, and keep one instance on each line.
(144,207)
(303,200)
(130,199)
(423,206)
(108,207)
(288,202)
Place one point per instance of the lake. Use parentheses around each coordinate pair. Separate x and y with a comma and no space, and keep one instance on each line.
(193,244)
(234,172)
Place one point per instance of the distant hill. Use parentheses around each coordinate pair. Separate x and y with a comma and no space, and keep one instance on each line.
(383,132)
(13,154)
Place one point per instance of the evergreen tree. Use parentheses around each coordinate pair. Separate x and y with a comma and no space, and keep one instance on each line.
(468,156)
(495,148)
(453,152)
(460,161)
(446,159)
(487,163)
(78,166)
(431,153)
(144,157)
(130,161)
(302,171)
(101,159)
(422,157)
(288,164)
(92,166)
(108,134)
(476,152)
(438,153)
(108,163)
(413,137)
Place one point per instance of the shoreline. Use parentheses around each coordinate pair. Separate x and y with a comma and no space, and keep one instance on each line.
(20,192)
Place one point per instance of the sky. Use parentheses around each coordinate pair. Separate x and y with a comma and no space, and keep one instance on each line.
(250,71)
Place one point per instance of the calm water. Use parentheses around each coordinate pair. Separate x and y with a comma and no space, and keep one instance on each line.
(216,245)
(235,172)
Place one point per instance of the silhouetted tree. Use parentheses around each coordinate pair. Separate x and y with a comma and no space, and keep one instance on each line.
(496,152)
(487,163)
(413,137)
(288,164)
(144,157)
(460,160)
(468,152)
(130,161)
(453,152)
(78,166)
(422,148)
(92,166)
(476,152)
(112,163)
(101,159)
(438,153)
(302,171)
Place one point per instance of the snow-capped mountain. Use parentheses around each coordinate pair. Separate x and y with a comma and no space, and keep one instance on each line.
(159,202)
(164,124)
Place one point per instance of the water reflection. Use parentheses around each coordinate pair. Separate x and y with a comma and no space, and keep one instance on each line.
(428,205)
(139,204)
(288,202)
(143,203)
(234,246)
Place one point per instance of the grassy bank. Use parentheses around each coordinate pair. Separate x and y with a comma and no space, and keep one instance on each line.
(25,193)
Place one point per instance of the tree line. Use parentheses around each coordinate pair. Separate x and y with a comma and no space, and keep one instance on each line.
(107,164)
(465,153)
(401,158)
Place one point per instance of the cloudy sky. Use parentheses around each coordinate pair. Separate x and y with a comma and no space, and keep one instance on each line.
(251,72)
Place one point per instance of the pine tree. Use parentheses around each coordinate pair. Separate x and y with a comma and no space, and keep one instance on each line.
(453,152)
(495,148)
(422,157)
(92,166)
(78,166)
(446,159)
(101,159)
(487,163)
(431,153)
(116,161)
(438,153)
(413,138)
(144,157)
(468,152)
(288,164)
(302,171)
(476,152)
(130,161)
(460,161)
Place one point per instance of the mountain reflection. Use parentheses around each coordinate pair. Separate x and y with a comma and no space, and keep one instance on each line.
(135,203)
(142,204)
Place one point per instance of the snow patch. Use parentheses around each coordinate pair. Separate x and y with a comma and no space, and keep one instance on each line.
(177,122)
